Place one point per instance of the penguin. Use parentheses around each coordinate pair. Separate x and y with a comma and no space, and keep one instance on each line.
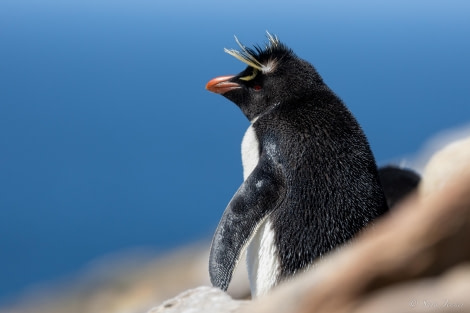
(310,179)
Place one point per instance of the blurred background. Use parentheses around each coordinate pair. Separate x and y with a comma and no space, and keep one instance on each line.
(109,143)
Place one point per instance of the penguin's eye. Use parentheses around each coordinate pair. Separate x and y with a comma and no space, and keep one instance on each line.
(250,77)
(257,87)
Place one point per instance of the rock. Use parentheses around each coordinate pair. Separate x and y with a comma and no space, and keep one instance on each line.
(200,300)
(447,293)
(128,282)
(450,162)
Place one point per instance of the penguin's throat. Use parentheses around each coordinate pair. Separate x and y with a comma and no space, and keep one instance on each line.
(250,151)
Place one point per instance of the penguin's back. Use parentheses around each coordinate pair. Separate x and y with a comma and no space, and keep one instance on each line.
(332,187)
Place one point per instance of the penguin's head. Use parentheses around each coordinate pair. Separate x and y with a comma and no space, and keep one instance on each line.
(274,75)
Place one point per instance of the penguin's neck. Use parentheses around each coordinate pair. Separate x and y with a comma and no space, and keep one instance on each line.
(262,256)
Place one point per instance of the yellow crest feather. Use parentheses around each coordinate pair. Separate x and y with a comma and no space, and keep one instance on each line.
(244,55)
(248,57)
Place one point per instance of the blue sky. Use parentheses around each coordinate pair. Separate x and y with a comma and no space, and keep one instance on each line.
(109,141)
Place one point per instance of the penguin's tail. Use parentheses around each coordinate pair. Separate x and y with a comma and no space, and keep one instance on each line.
(397,183)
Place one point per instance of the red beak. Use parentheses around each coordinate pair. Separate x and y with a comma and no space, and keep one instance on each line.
(221,84)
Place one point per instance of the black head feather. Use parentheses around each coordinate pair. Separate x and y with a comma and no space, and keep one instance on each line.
(274,75)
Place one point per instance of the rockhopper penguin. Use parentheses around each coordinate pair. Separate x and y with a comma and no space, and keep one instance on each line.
(310,179)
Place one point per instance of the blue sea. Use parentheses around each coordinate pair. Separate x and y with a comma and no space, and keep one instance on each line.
(110,142)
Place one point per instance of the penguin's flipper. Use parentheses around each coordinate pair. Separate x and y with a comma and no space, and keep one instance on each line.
(260,194)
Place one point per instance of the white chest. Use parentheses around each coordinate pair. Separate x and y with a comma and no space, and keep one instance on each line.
(262,261)
(250,152)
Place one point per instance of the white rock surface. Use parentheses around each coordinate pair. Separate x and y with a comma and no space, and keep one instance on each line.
(200,300)
(450,161)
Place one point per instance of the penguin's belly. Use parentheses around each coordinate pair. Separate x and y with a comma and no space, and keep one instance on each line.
(262,260)
(262,257)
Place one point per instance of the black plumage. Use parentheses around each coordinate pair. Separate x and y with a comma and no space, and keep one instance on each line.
(315,179)
(398,183)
